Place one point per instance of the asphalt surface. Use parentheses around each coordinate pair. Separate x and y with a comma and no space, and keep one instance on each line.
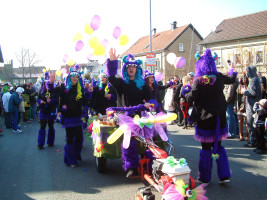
(29,173)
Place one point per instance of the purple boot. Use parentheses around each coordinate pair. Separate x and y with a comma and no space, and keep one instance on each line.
(41,138)
(205,166)
(51,137)
(223,168)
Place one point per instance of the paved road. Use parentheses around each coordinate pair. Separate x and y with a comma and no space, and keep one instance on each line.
(29,173)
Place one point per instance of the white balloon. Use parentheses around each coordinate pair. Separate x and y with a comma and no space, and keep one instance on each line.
(171,57)
(101,60)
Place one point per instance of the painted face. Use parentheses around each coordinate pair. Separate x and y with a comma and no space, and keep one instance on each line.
(74,79)
(103,80)
(150,79)
(131,70)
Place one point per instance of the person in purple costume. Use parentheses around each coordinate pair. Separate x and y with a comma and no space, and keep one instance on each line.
(131,91)
(70,109)
(211,126)
(48,102)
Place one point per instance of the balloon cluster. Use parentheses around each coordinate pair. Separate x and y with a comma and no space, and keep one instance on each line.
(178,62)
(99,47)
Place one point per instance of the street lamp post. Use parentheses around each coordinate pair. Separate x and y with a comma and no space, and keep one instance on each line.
(150,31)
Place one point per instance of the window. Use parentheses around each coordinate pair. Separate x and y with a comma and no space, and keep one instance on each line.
(249,58)
(259,57)
(237,59)
(181,47)
(157,65)
(218,61)
(197,48)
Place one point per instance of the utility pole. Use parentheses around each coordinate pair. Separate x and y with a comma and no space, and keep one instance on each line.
(150,31)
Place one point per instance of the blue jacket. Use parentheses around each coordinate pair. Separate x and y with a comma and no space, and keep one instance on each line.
(14,101)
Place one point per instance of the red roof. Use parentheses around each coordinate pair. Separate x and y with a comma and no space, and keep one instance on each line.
(160,41)
(252,25)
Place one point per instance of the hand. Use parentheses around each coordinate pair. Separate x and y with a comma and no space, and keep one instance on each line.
(48,100)
(112,54)
(58,114)
(42,102)
(107,96)
(64,107)
(147,105)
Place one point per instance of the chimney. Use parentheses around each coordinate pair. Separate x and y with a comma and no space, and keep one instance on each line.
(155,30)
(173,25)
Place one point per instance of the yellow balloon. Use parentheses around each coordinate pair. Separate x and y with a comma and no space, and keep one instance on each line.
(123,40)
(116,134)
(99,50)
(44,70)
(47,69)
(58,73)
(71,62)
(93,42)
(88,29)
(77,37)
(165,118)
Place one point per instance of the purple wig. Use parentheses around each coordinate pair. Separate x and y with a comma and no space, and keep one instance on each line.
(206,65)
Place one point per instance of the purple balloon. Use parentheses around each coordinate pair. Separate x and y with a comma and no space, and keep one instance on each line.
(95,22)
(89,57)
(63,71)
(180,62)
(116,32)
(79,45)
(158,76)
(104,43)
(65,58)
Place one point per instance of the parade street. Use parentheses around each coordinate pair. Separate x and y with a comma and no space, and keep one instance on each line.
(27,172)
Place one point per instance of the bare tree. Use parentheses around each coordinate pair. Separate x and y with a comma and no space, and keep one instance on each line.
(27,59)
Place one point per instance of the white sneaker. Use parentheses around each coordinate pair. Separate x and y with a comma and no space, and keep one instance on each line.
(19,130)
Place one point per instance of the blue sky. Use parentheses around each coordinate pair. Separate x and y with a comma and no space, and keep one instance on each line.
(48,27)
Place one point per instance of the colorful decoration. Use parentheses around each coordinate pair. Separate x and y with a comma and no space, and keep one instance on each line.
(71,62)
(79,45)
(208,79)
(197,56)
(116,32)
(88,29)
(158,76)
(215,56)
(116,134)
(215,156)
(93,42)
(77,37)
(180,62)
(95,22)
(65,58)
(171,58)
(141,122)
(63,71)
(123,40)
(58,73)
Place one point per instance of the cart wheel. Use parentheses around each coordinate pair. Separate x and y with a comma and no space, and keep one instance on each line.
(101,164)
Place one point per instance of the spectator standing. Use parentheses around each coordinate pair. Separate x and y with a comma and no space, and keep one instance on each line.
(8,115)
(13,106)
(253,95)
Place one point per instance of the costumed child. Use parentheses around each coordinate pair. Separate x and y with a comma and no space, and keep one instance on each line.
(104,95)
(260,109)
(70,109)
(211,126)
(48,102)
(88,90)
(184,105)
(132,91)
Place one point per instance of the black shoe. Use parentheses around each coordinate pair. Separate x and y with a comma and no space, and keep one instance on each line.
(180,124)
(258,151)
(132,173)
(224,180)
(250,145)
(40,147)
(199,180)
(50,145)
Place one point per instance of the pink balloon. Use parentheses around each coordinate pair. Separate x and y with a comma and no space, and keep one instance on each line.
(95,22)
(63,71)
(89,57)
(104,43)
(65,58)
(79,45)
(116,32)
(158,76)
(180,62)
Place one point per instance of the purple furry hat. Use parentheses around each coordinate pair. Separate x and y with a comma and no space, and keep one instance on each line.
(129,60)
(206,65)
(147,74)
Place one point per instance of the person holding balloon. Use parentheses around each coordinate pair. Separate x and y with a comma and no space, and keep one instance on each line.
(48,101)
(211,125)
(131,91)
(70,109)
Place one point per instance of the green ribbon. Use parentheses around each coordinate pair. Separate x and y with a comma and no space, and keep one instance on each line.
(171,161)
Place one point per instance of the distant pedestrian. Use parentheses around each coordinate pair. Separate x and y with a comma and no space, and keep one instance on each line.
(8,115)
(13,106)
